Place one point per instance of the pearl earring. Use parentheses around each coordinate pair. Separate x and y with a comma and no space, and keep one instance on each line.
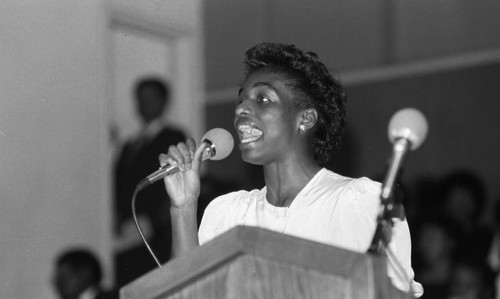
(302,129)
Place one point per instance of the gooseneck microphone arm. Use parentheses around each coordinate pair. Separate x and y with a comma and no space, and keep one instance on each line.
(382,235)
(400,150)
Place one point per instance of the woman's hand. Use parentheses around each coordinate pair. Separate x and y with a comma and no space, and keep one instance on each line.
(183,187)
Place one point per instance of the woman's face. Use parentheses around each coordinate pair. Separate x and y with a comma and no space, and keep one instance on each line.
(266,119)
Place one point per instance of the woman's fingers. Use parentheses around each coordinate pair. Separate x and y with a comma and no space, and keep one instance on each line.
(191,147)
(182,154)
(185,156)
(167,160)
(175,157)
(163,159)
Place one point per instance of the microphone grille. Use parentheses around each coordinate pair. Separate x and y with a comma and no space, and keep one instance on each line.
(222,140)
(408,123)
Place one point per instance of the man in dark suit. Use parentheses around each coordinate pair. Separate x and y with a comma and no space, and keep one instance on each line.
(138,159)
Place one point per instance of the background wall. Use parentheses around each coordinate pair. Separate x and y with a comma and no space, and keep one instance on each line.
(54,125)
(348,35)
(134,55)
(53,154)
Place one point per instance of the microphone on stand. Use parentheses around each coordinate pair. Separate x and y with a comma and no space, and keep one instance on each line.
(407,131)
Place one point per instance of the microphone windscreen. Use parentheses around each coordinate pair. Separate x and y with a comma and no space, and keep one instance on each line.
(408,123)
(222,140)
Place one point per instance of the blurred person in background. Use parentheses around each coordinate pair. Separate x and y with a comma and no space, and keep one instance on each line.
(462,198)
(78,275)
(435,249)
(138,159)
(494,251)
(471,279)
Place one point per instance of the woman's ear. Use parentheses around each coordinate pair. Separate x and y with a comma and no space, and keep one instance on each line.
(308,119)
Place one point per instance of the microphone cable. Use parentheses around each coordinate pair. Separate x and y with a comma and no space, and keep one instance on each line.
(138,226)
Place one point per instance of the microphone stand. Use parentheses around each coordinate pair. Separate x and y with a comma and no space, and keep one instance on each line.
(383,232)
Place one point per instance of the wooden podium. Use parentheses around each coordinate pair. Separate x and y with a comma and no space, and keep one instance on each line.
(248,262)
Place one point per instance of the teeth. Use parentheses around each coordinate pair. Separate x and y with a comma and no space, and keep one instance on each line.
(249,130)
(249,139)
(249,133)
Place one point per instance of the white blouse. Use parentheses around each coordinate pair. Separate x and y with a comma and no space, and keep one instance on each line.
(331,209)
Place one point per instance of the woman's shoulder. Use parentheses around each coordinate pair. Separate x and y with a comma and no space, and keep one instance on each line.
(361,185)
(223,212)
(365,185)
(234,198)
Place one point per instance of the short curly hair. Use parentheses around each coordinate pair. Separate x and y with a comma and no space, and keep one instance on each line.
(315,87)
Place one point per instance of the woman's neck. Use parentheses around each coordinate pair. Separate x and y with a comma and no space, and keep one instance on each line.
(284,182)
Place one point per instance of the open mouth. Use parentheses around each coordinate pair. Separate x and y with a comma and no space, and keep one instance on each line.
(248,133)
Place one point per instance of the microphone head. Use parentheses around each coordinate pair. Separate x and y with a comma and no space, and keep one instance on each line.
(221,140)
(410,124)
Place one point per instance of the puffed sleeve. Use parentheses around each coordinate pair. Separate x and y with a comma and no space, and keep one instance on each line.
(399,259)
(217,217)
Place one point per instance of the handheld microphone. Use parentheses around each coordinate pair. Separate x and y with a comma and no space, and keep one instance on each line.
(407,131)
(219,145)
